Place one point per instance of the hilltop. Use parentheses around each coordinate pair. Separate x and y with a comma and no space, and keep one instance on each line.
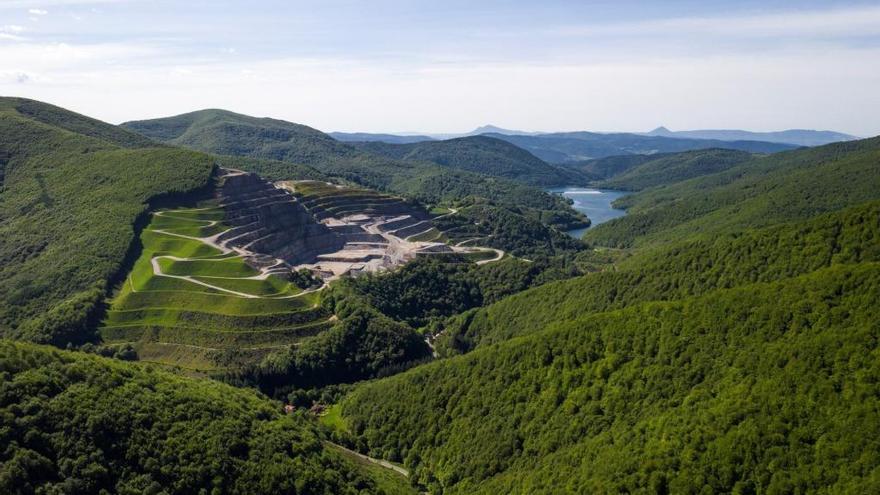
(481,154)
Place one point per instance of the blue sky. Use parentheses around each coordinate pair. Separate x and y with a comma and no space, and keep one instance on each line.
(391,66)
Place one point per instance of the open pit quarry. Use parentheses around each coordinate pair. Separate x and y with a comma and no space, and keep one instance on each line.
(328,229)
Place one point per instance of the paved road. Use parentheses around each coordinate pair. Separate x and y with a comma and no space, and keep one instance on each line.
(381,462)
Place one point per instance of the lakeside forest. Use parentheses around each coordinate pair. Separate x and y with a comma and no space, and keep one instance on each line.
(721,337)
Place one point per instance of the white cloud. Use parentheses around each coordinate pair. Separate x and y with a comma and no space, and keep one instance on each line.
(11,32)
(830,89)
(58,59)
(36,4)
(14,77)
(852,21)
(38,11)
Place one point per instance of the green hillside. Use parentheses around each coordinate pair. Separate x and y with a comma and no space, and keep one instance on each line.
(736,359)
(688,268)
(73,189)
(482,154)
(609,166)
(783,187)
(228,133)
(75,423)
(669,169)
(767,388)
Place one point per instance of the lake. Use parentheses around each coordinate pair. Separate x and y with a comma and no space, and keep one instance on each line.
(594,203)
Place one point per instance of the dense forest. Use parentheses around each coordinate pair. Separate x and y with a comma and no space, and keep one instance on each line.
(363,343)
(767,388)
(788,186)
(674,168)
(75,423)
(383,319)
(684,269)
(747,349)
(482,154)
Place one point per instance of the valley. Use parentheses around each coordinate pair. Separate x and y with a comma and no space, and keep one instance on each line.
(596,204)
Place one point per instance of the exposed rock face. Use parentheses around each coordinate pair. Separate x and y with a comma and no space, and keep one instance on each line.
(270,221)
(355,233)
(351,204)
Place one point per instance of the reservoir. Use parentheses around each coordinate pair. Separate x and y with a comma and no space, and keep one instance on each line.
(594,203)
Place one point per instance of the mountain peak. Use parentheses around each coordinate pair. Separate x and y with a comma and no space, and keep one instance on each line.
(660,131)
(493,129)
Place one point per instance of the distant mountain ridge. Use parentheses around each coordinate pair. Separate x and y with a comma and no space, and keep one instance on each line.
(367,137)
(755,142)
(479,131)
(799,137)
(562,147)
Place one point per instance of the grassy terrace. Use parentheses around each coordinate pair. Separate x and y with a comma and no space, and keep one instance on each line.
(192,304)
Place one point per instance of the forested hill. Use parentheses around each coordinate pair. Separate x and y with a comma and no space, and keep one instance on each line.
(687,268)
(228,133)
(636,172)
(72,189)
(766,388)
(76,423)
(483,154)
(763,191)
(760,221)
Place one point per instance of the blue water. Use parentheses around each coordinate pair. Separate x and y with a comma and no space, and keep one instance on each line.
(595,203)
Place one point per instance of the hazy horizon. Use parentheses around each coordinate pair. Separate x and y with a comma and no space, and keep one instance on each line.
(423,67)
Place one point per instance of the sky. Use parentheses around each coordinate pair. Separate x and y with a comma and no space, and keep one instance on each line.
(452,65)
